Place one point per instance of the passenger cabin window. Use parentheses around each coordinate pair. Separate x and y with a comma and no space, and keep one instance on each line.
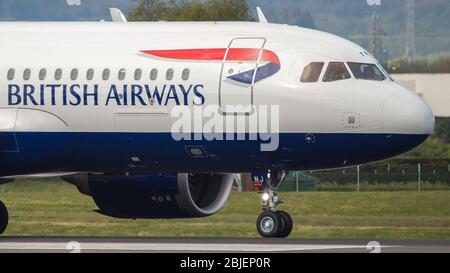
(137,74)
(42,74)
(336,72)
(10,75)
(105,74)
(368,72)
(74,74)
(311,73)
(169,74)
(58,74)
(185,75)
(154,74)
(122,73)
(27,74)
(90,74)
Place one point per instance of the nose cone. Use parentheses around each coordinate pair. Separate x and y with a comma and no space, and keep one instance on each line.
(407,114)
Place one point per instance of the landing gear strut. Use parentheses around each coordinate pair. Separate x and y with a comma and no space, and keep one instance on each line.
(3,217)
(272,223)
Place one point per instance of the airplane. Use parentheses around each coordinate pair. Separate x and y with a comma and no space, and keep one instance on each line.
(100,104)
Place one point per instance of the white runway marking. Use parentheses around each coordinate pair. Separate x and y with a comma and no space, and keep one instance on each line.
(216,245)
(172,247)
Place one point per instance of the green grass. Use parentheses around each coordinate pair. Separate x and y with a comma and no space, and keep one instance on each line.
(402,186)
(52,208)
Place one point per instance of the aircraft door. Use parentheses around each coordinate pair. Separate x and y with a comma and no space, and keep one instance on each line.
(238,75)
(9,151)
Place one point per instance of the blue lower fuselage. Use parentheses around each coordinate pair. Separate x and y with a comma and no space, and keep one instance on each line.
(43,152)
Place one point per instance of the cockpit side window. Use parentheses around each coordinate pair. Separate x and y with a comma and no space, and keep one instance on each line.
(385,72)
(336,72)
(368,72)
(312,71)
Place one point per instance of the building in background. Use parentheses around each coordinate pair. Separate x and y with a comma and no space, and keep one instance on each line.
(434,88)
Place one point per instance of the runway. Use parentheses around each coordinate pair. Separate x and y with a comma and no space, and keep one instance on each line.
(215,245)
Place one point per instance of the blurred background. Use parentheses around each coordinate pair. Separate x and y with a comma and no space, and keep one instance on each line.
(410,37)
(403,198)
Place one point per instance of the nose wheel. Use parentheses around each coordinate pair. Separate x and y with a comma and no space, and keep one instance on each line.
(3,217)
(286,223)
(272,223)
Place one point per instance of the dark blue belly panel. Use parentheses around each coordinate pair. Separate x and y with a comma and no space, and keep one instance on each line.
(112,152)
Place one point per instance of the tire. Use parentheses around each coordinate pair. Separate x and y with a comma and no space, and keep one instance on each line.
(268,224)
(3,217)
(287,224)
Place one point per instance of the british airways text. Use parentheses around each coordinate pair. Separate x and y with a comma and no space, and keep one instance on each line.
(115,95)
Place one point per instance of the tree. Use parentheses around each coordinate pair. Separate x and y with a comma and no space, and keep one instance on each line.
(191,10)
(306,20)
(229,10)
(293,15)
(424,65)
(149,10)
(442,130)
(431,149)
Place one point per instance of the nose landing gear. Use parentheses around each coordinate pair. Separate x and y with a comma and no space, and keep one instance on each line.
(3,217)
(272,223)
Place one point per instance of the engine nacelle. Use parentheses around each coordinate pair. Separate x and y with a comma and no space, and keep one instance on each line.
(153,196)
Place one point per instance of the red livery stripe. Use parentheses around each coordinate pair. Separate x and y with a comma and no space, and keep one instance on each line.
(216,54)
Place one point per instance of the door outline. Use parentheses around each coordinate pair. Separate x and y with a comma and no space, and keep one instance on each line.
(264,40)
(11,129)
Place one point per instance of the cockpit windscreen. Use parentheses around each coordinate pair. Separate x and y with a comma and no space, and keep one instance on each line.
(369,72)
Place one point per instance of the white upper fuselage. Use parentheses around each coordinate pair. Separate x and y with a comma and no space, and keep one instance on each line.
(305,107)
(344,106)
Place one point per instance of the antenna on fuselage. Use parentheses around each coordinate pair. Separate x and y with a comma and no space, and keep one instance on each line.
(117,15)
(261,17)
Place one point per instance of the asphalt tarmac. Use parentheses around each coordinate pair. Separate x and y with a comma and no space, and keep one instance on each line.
(215,245)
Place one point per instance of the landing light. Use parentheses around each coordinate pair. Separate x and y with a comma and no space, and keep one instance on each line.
(265,196)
